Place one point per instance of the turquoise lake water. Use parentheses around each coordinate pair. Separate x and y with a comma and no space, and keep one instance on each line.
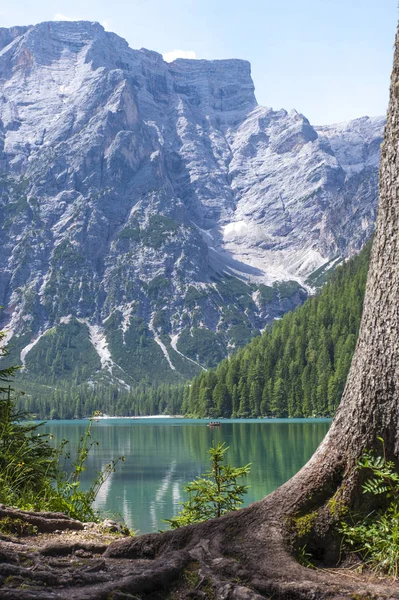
(162,455)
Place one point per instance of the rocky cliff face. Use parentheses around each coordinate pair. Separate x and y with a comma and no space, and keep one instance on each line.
(154,209)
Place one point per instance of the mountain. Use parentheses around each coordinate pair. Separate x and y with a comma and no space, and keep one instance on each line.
(299,366)
(296,368)
(153,216)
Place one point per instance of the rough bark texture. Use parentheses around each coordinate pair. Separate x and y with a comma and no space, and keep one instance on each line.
(248,555)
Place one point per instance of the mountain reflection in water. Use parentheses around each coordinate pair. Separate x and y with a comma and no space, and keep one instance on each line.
(162,455)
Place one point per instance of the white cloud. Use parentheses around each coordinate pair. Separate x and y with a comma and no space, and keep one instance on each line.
(106,23)
(171,56)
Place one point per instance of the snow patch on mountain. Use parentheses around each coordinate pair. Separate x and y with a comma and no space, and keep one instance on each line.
(100,344)
(160,342)
(126,314)
(173,342)
(29,347)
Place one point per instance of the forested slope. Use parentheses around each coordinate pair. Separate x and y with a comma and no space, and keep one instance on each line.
(298,366)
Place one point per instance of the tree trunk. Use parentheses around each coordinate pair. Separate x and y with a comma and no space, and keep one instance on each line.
(249,554)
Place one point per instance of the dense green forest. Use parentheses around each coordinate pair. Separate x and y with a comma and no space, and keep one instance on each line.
(296,368)
(75,402)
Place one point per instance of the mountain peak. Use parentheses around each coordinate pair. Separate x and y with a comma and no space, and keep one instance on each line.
(153,205)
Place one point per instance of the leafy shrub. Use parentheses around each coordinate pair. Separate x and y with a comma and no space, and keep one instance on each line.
(376,536)
(31,476)
(35,476)
(26,457)
(66,494)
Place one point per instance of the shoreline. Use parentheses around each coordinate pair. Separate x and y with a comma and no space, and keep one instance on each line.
(204,419)
(135,418)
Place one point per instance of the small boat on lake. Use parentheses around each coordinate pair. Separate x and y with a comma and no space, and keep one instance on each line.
(214,424)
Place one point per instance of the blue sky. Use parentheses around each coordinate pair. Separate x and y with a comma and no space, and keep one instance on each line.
(329,59)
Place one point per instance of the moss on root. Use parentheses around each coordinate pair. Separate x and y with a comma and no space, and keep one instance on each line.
(337,508)
(10,526)
(190,581)
(302,525)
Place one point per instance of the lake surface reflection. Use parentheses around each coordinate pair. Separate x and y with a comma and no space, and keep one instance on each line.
(162,455)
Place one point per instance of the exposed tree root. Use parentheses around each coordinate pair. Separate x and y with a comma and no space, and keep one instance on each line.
(45,522)
(247,555)
(243,556)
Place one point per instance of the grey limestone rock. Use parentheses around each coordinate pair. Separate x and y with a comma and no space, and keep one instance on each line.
(145,198)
